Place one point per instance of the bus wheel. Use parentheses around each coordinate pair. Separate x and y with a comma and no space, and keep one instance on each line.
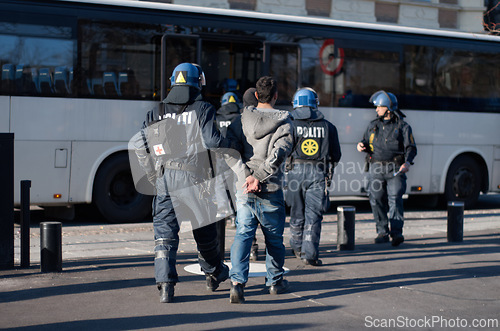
(463,181)
(115,195)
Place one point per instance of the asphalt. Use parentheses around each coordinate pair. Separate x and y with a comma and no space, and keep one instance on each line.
(428,283)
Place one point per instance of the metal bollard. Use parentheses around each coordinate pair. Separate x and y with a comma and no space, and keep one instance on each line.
(221,237)
(25,223)
(51,246)
(6,201)
(455,221)
(345,227)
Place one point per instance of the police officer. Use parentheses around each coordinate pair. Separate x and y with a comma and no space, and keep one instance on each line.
(226,114)
(174,155)
(229,110)
(390,147)
(317,150)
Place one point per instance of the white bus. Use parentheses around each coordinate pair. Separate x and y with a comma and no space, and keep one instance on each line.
(78,77)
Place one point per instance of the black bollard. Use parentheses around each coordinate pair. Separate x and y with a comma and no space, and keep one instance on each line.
(51,246)
(6,201)
(221,237)
(455,221)
(25,223)
(345,227)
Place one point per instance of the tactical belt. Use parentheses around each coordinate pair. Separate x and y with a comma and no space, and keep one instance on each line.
(178,166)
(381,161)
(308,161)
(320,164)
(398,160)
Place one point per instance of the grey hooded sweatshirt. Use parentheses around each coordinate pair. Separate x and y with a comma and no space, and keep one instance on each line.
(266,138)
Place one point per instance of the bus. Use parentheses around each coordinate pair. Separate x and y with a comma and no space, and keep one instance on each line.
(78,77)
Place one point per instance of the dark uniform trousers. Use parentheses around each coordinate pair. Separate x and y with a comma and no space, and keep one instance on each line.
(166,228)
(386,192)
(306,194)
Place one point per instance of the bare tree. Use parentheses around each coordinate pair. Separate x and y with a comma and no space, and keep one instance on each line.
(490,17)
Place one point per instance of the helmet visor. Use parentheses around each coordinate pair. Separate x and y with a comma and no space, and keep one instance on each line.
(203,81)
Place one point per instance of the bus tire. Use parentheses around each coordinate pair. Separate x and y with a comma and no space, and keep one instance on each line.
(114,193)
(463,181)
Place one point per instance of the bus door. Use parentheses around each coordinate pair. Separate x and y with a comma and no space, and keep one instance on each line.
(282,61)
(176,49)
(230,65)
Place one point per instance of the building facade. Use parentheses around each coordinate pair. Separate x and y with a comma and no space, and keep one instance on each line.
(458,15)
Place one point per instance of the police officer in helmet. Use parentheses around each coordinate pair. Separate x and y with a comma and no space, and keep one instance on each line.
(229,110)
(177,139)
(390,147)
(317,150)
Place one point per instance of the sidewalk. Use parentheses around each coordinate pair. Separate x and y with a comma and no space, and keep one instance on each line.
(107,282)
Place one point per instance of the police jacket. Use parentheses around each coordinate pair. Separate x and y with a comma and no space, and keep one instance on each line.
(316,139)
(178,133)
(390,141)
(226,114)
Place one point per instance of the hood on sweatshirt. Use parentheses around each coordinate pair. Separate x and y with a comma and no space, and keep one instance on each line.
(262,122)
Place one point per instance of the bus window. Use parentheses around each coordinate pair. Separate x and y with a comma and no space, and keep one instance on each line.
(467,81)
(312,73)
(27,49)
(223,60)
(419,70)
(282,61)
(176,49)
(110,49)
(367,71)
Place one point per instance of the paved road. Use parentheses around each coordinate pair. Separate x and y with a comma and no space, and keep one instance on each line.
(89,237)
(107,281)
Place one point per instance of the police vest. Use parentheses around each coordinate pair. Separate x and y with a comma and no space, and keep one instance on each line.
(311,138)
(386,140)
(166,134)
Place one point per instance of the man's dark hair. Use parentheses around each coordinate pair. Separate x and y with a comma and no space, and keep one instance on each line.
(266,88)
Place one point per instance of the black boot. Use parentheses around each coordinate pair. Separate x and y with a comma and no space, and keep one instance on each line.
(213,280)
(166,292)
(236,294)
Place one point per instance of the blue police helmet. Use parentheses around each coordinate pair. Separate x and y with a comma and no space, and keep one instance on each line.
(230,85)
(384,99)
(188,74)
(305,97)
(228,98)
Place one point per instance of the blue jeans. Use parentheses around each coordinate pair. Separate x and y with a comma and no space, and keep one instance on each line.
(386,197)
(268,209)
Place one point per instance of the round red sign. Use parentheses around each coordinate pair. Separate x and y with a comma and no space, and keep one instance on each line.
(331,58)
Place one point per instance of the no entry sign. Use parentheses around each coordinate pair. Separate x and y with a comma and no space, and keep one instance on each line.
(331,58)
